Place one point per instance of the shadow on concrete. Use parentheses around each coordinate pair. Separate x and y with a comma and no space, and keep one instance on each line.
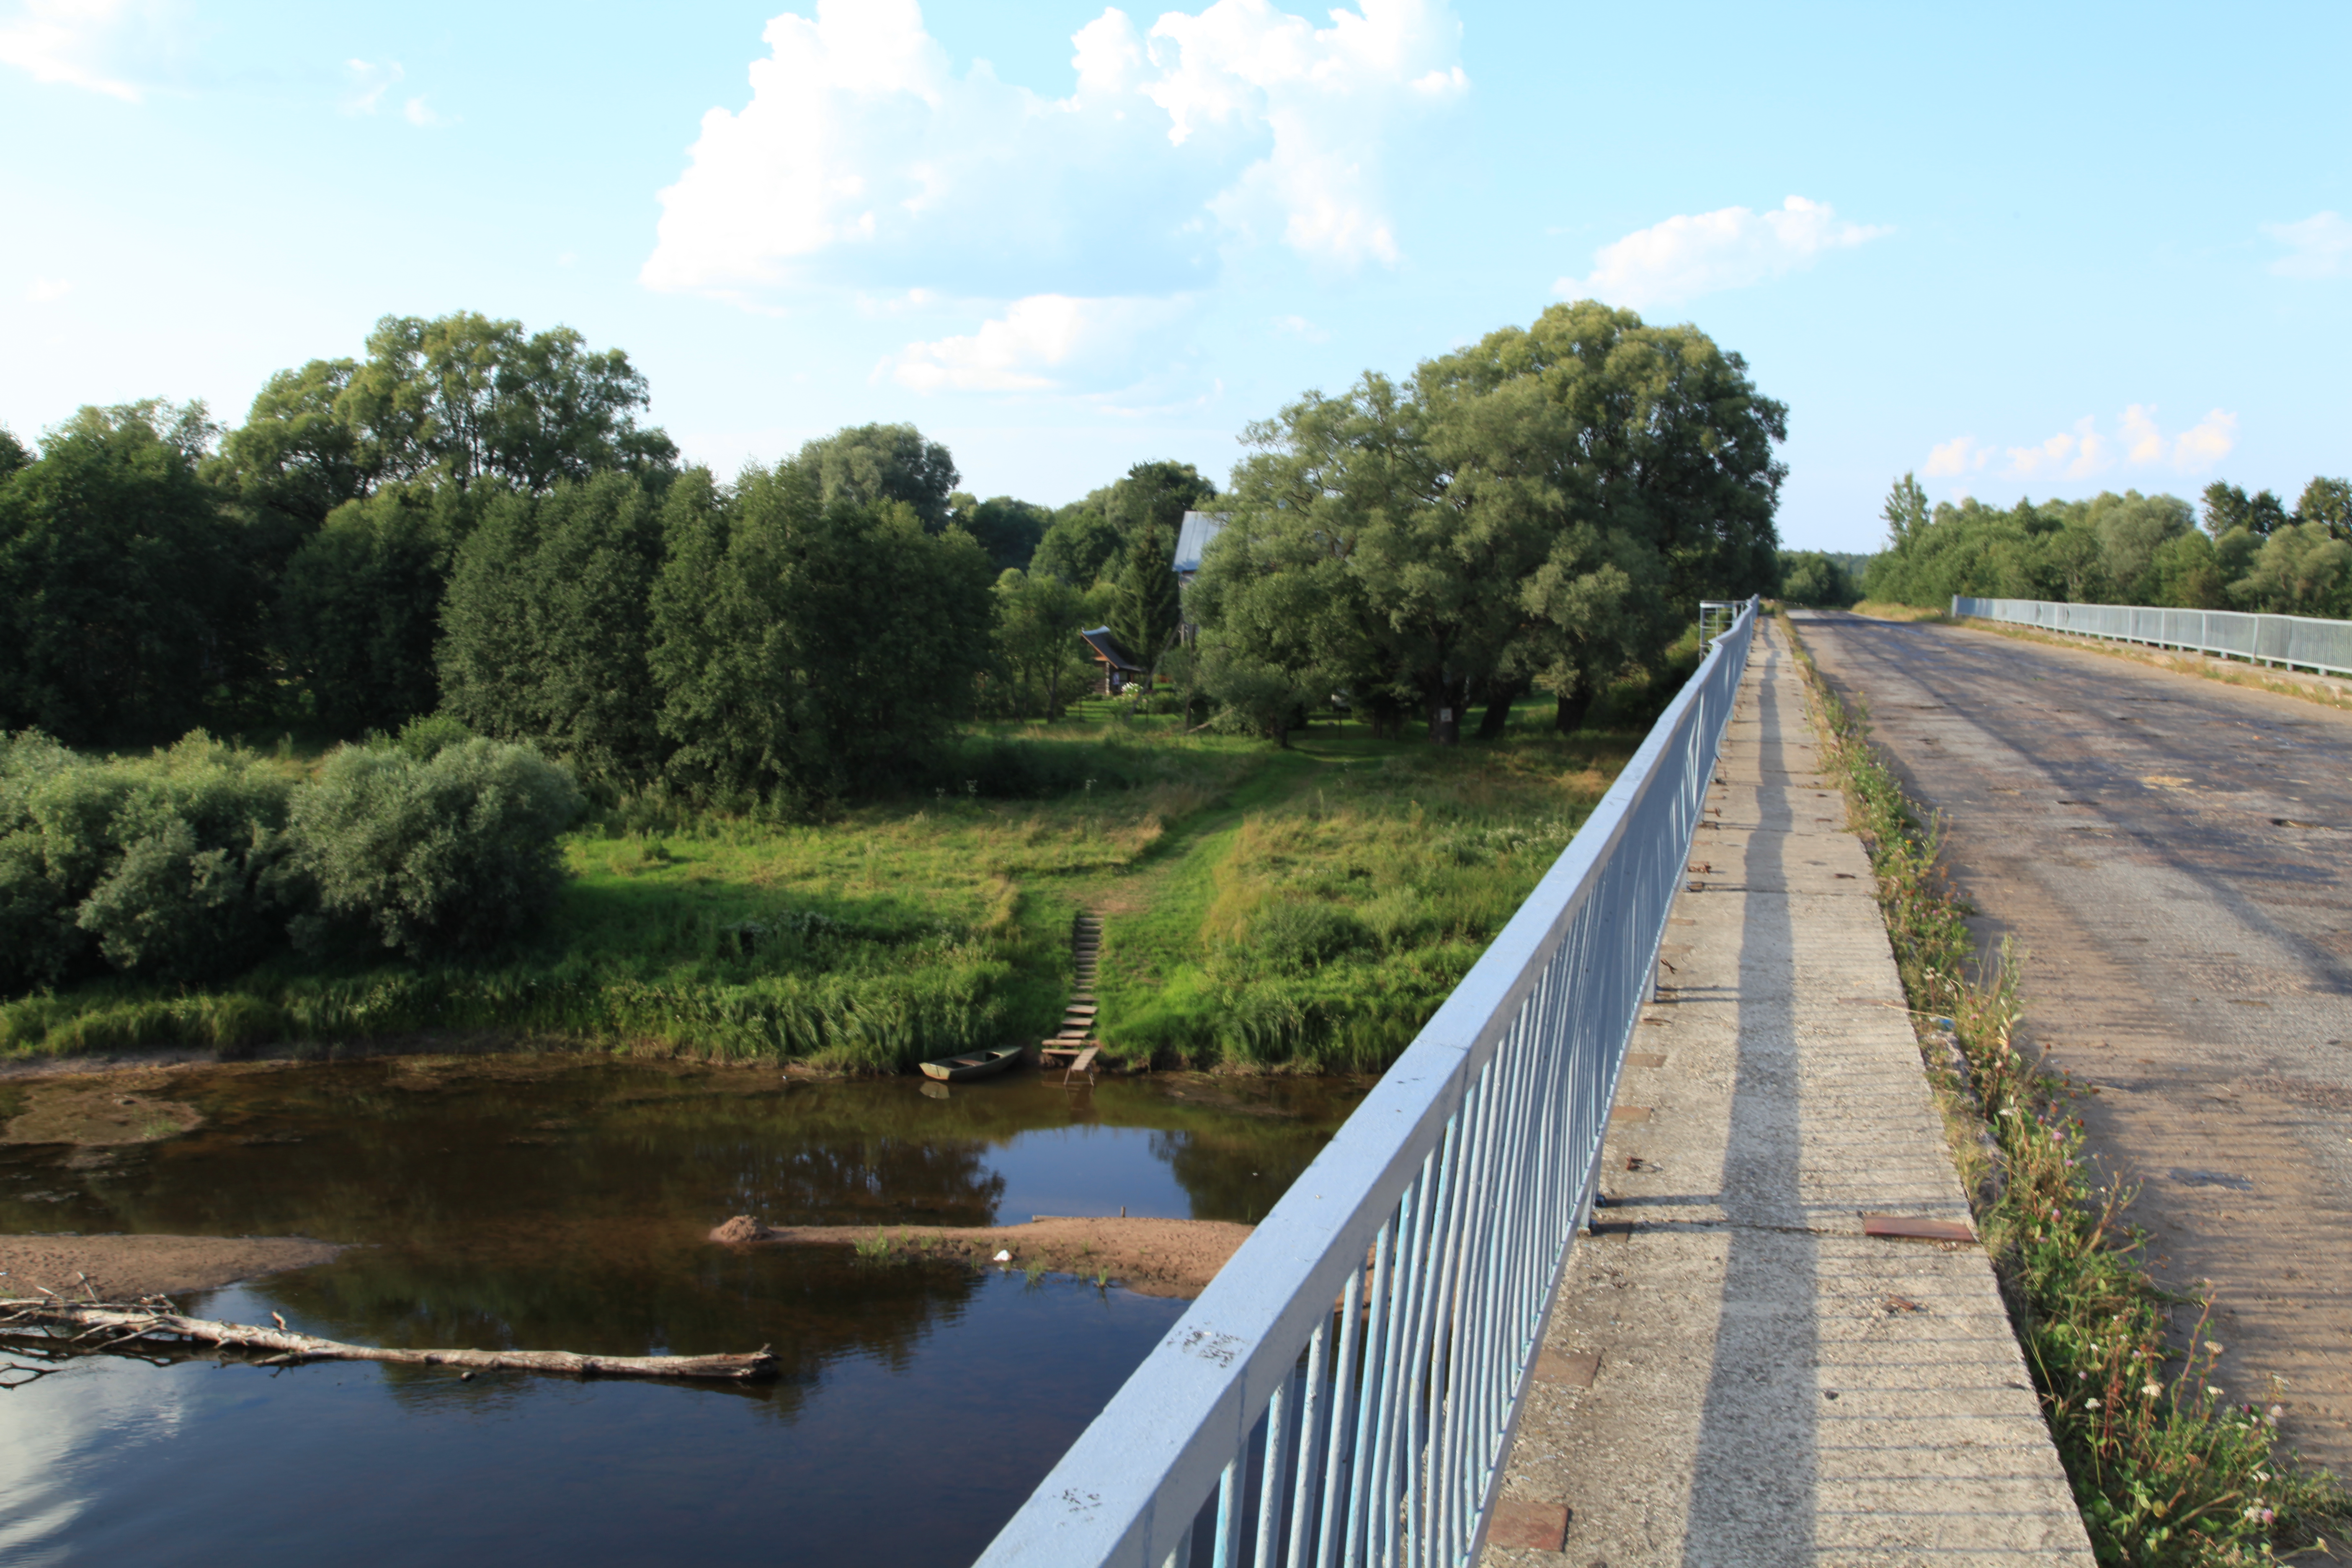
(1752,1500)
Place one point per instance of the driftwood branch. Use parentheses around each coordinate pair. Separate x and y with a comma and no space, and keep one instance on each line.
(123,1324)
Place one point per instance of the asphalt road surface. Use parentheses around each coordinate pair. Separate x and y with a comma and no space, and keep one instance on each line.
(2174,855)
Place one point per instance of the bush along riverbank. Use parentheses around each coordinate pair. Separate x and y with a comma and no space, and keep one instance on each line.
(2164,1472)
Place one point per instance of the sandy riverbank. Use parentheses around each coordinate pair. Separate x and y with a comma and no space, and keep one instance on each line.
(1149,1256)
(121,1268)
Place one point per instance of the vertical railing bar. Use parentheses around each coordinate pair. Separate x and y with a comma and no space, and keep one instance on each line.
(1381,1353)
(1343,1397)
(1443,1391)
(1270,1487)
(1230,1489)
(1311,1408)
(1397,1426)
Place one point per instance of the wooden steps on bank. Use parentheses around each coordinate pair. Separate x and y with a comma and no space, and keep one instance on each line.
(1073,1044)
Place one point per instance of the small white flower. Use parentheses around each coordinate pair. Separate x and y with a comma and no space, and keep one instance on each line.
(2150,1389)
(1002,1257)
(2092,1404)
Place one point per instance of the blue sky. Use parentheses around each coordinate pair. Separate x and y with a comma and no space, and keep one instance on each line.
(2018,249)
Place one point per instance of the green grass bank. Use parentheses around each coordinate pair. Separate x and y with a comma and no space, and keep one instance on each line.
(1301,908)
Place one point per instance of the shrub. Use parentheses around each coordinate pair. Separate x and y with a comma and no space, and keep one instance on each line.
(428,736)
(169,866)
(454,853)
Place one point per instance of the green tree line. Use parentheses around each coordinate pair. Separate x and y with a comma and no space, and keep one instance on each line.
(473,521)
(2237,551)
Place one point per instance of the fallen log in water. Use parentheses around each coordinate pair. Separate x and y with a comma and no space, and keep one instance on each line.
(117,1325)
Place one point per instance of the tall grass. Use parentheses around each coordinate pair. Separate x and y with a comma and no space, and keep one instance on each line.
(2165,1472)
(1318,923)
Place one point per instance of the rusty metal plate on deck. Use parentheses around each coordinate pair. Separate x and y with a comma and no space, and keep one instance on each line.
(1568,1369)
(1527,1525)
(1912,1227)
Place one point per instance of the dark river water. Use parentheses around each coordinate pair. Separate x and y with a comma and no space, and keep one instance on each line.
(542,1204)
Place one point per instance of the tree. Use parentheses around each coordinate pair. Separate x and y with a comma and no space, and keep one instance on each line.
(1145,608)
(359,607)
(2301,570)
(867,464)
(1155,495)
(547,626)
(1906,511)
(458,398)
(808,651)
(1008,529)
(1810,577)
(298,456)
(1038,617)
(1330,506)
(2327,502)
(1597,608)
(1528,511)
(127,599)
(1078,545)
(2228,507)
(1653,438)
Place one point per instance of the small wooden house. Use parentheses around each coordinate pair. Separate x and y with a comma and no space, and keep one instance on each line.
(1117,666)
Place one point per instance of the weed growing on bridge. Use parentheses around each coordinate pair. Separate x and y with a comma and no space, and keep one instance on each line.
(2165,1471)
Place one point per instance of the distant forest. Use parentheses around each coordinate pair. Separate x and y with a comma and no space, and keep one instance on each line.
(469,523)
(2236,552)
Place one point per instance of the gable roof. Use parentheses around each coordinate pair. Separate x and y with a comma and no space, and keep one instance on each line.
(1194,536)
(1110,650)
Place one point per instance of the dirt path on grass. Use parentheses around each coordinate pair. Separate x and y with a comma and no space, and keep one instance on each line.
(2175,857)
(123,1267)
(1149,1256)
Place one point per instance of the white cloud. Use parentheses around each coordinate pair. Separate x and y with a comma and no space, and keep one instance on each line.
(48,290)
(862,158)
(62,41)
(1960,455)
(417,113)
(2085,451)
(1300,327)
(2205,443)
(369,80)
(1702,253)
(1038,345)
(2318,247)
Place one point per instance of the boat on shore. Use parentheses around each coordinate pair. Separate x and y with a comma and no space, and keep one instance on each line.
(983,1063)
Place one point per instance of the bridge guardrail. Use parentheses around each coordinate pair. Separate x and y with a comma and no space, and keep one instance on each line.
(2292,640)
(1345,1389)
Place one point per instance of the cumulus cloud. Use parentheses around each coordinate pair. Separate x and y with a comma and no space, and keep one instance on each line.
(48,290)
(2085,451)
(1039,344)
(63,41)
(422,115)
(1703,253)
(2318,247)
(862,158)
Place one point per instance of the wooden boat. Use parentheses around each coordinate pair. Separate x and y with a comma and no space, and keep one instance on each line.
(981,1063)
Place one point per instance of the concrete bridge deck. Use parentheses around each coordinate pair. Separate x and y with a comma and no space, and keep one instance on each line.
(1772,1386)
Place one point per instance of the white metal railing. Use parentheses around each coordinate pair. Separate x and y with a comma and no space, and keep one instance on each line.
(2290,640)
(1345,1390)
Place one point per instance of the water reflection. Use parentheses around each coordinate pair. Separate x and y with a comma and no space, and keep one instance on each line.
(543,1204)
